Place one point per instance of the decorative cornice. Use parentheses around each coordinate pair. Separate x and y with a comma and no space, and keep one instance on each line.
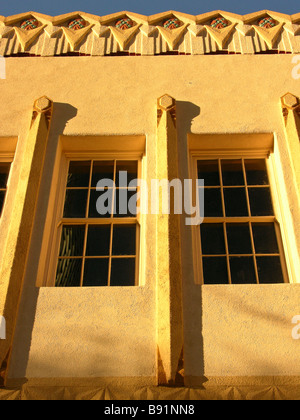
(149,35)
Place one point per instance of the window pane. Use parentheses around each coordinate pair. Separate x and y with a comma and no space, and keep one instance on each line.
(101,203)
(102,170)
(269,270)
(124,240)
(215,270)
(79,174)
(4,171)
(72,239)
(75,203)
(212,239)
(235,202)
(121,204)
(261,202)
(212,202)
(256,172)
(122,272)
(95,272)
(98,241)
(265,240)
(130,168)
(232,172)
(2,197)
(239,239)
(209,171)
(68,272)
(242,270)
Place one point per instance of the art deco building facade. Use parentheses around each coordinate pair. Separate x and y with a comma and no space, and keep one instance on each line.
(147,305)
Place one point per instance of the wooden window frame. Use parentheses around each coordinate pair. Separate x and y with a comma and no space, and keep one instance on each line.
(106,148)
(229,147)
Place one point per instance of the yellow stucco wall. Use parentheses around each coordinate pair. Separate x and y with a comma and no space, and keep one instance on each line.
(112,332)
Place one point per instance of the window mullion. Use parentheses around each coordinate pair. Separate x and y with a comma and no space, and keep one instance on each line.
(253,250)
(110,253)
(83,256)
(227,253)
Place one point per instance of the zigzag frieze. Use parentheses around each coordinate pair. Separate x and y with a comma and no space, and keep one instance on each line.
(129,33)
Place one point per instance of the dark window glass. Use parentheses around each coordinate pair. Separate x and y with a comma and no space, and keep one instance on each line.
(212,239)
(212,202)
(215,270)
(232,172)
(130,168)
(2,197)
(79,174)
(239,239)
(124,240)
(265,240)
(4,172)
(101,203)
(260,201)
(102,170)
(68,272)
(72,240)
(98,241)
(122,272)
(95,272)
(256,172)
(209,171)
(75,203)
(269,270)
(242,270)
(235,202)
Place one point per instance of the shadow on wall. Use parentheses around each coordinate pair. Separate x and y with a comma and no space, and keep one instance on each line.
(192,297)
(62,113)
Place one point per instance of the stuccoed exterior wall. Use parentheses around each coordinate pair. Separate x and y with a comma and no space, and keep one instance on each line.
(103,332)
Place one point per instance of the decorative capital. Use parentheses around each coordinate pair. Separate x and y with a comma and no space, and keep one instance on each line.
(290,102)
(166,102)
(42,105)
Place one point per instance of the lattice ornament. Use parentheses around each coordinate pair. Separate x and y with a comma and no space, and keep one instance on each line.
(124,24)
(219,23)
(267,23)
(77,24)
(172,23)
(29,24)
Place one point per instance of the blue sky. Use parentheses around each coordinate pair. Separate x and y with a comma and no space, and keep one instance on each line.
(146,7)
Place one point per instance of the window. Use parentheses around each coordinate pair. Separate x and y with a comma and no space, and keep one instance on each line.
(99,244)
(4,172)
(240,239)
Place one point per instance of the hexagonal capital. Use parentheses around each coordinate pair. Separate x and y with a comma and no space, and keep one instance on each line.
(166,102)
(290,101)
(43,104)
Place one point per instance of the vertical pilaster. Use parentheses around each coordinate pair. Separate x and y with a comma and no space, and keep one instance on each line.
(168,252)
(15,250)
(291,115)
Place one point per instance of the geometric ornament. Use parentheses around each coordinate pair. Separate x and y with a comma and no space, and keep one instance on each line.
(77,24)
(219,23)
(173,24)
(221,36)
(271,35)
(29,24)
(124,24)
